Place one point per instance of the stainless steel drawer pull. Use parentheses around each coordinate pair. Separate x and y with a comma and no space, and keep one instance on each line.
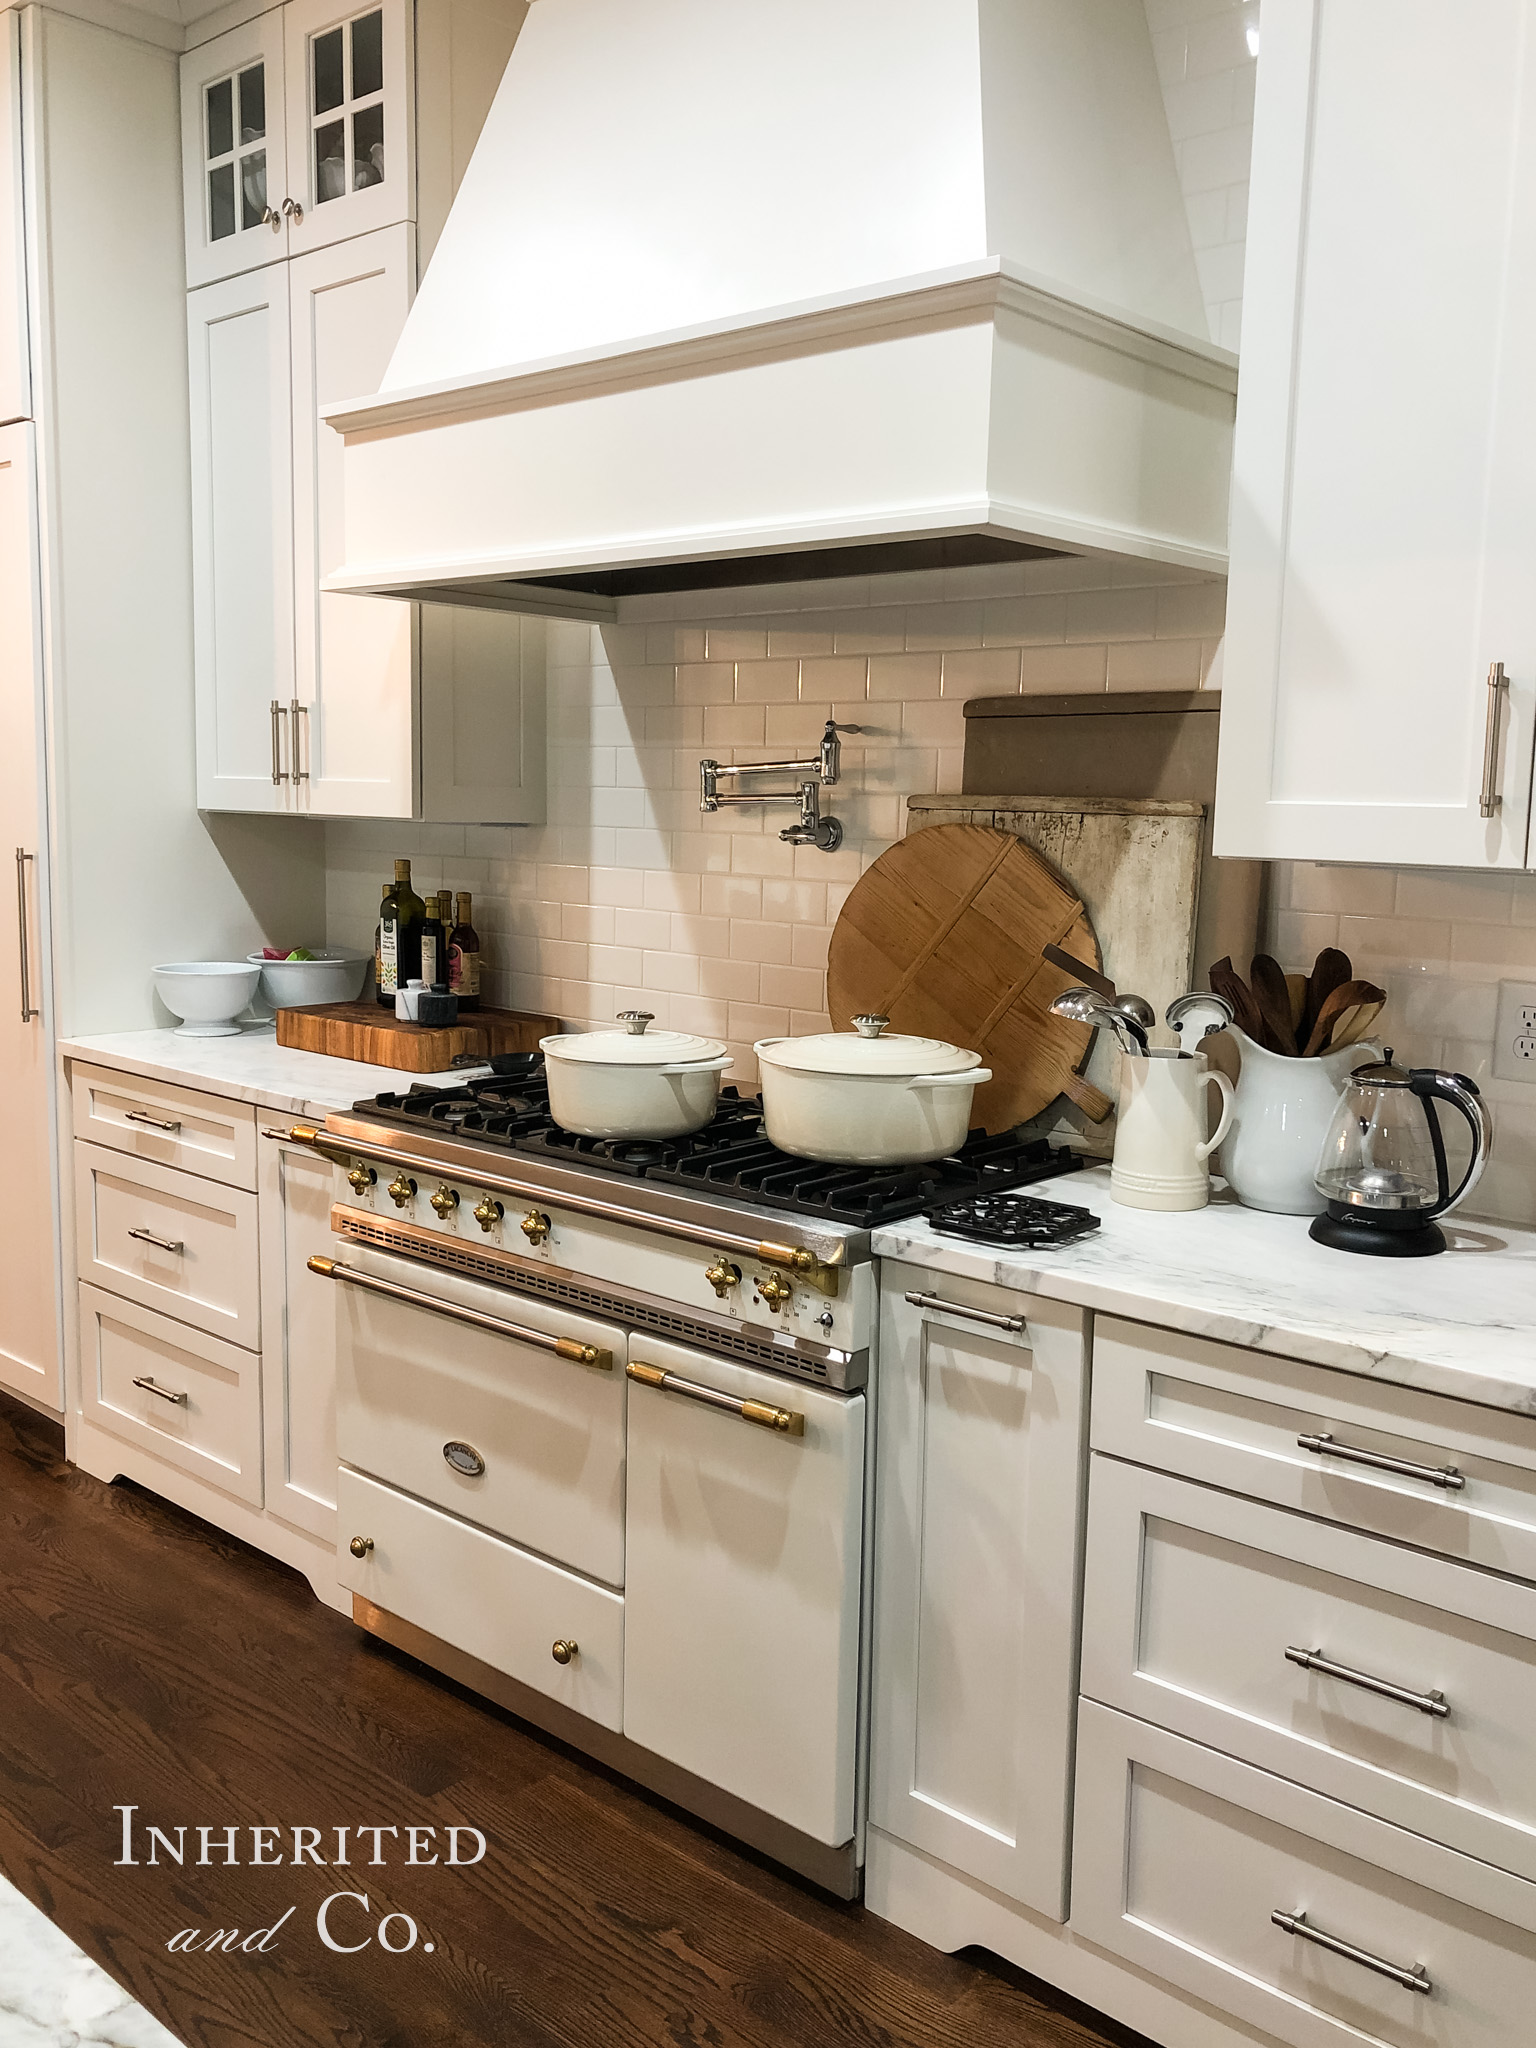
(783,1421)
(563,1347)
(153,1387)
(962,1308)
(155,1123)
(1412,1978)
(164,1244)
(1488,797)
(1313,1660)
(300,740)
(29,1010)
(1445,1476)
(279,715)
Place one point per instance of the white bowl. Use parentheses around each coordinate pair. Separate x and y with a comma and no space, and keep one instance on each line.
(333,976)
(208,995)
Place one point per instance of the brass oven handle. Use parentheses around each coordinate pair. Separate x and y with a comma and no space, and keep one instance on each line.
(1413,1977)
(811,1267)
(961,1308)
(151,1386)
(1313,1660)
(1447,1477)
(155,1123)
(164,1244)
(29,1010)
(783,1421)
(1488,797)
(563,1347)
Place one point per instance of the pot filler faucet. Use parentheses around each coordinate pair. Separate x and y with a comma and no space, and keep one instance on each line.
(811,829)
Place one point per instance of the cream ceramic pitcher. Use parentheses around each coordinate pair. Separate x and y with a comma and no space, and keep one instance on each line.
(1160,1143)
(1281,1117)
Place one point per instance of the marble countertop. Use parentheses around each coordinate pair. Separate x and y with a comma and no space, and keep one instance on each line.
(1462,1323)
(53,1996)
(250,1068)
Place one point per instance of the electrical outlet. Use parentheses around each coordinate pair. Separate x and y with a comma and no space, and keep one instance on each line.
(1514,1035)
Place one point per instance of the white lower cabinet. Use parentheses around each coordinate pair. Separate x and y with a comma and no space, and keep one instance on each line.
(294,1193)
(1296,1914)
(982,1419)
(742,1586)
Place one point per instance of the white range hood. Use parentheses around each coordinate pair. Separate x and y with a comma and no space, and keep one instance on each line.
(733,287)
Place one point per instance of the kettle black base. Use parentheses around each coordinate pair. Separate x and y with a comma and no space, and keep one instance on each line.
(1384,1235)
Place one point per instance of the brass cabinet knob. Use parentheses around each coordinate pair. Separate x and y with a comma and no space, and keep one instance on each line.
(564,1650)
(488,1212)
(774,1289)
(722,1276)
(360,1546)
(401,1189)
(361,1179)
(445,1201)
(535,1226)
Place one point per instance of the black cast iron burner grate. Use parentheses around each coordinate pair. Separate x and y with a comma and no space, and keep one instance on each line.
(1023,1222)
(729,1157)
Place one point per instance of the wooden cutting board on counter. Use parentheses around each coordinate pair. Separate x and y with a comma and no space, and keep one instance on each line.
(944,935)
(363,1031)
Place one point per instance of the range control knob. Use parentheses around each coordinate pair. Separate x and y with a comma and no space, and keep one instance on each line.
(774,1290)
(535,1226)
(563,1649)
(488,1212)
(722,1276)
(401,1189)
(445,1201)
(361,1179)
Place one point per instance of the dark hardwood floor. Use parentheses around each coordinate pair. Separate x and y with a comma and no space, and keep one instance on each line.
(147,1660)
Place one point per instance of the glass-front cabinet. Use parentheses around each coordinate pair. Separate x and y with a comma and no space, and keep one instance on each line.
(296,133)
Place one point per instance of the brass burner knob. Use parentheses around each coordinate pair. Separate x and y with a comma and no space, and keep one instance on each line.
(564,1650)
(774,1289)
(722,1276)
(361,1179)
(488,1212)
(401,1189)
(535,1226)
(360,1545)
(445,1201)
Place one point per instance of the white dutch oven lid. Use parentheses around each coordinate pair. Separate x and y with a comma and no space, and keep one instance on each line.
(634,1046)
(865,1050)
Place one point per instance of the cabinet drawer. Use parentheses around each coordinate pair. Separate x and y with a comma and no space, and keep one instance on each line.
(166,1125)
(169,1241)
(548,1431)
(1235,1419)
(207,1417)
(1194,1600)
(1182,1855)
(484,1596)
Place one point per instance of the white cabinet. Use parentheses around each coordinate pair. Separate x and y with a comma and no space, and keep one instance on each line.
(982,1417)
(297,132)
(1384,480)
(294,1193)
(29,1335)
(15,377)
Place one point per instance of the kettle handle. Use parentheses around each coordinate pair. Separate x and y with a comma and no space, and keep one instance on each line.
(1428,1083)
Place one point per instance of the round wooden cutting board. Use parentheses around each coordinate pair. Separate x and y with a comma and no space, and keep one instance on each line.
(944,936)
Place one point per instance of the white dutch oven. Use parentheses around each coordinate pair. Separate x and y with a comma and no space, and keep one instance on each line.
(863,1099)
(633,1083)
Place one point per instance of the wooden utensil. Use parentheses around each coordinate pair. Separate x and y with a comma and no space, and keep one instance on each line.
(1347,996)
(364,1031)
(1296,988)
(945,935)
(1330,970)
(1266,978)
(1246,1014)
(1354,1025)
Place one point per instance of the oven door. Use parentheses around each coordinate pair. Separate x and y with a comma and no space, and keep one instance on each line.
(501,1409)
(741,1627)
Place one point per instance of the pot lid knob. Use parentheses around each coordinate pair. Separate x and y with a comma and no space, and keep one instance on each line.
(636,1020)
(870,1027)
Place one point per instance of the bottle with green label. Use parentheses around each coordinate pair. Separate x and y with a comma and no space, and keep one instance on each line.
(386,972)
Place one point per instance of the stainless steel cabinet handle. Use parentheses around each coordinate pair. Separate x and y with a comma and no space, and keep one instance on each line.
(563,1347)
(1498,685)
(1313,1660)
(783,1421)
(1444,1476)
(961,1308)
(153,1387)
(300,754)
(156,1123)
(164,1244)
(1414,1977)
(279,773)
(29,1011)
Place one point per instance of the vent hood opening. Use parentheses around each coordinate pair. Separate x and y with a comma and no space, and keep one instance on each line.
(732,288)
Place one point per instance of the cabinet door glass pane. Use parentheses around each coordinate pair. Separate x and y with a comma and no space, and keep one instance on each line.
(253,104)
(221,202)
(367,56)
(330,161)
(221,118)
(329,88)
(253,188)
(368,147)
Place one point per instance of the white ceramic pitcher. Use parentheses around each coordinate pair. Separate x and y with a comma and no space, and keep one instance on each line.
(1160,1143)
(1280,1119)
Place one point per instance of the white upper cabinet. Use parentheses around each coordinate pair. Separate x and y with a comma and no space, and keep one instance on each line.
(1384,483)
(15,380)
(234,161)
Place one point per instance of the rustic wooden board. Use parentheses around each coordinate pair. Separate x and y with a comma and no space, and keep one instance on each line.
(944,935)
(362,1031)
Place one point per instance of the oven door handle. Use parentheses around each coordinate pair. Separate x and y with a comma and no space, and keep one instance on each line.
(783,1421)
(563,1347)
(815,1269)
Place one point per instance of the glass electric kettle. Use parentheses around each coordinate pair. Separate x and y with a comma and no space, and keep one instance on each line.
(1383,1167)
